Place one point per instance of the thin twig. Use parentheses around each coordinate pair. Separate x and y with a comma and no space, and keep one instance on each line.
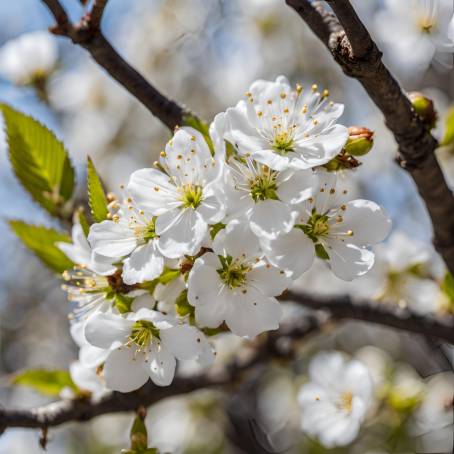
(87,34)
(352,47)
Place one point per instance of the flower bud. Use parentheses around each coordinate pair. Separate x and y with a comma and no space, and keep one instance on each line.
(360,141)
(425,109)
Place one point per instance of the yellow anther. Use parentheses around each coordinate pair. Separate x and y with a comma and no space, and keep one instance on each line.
(163,154)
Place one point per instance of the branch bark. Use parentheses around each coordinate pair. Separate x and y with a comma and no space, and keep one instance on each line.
(352,47)
(87,34)
(344,307)
(268,347)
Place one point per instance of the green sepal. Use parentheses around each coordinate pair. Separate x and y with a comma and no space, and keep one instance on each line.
(320,252)
(448,135)
(215,229)
(196,123)
(123,303)
(447,286)
(182,306)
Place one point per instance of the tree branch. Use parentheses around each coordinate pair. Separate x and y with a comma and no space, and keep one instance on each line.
(88,35)
(267,348)
(354,50)
(343,307)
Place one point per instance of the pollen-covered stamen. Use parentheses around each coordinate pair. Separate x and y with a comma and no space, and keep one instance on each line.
(234,271)
(263,185)
(142,333)
(191,195)
(144,232)
(85,288)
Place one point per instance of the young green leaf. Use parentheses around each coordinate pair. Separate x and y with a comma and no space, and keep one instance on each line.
(39,160)
(96,196)
(41,240)
(48,382)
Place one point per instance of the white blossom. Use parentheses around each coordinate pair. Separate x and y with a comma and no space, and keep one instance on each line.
(267,198)
(332,228)
(28,57)
(182,199)
(131,234)
(235,284)
(335,401)
(416,31)
(284,128)
(144,344)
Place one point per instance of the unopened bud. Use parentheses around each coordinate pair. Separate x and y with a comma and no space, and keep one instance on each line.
(360,141)
(425,109)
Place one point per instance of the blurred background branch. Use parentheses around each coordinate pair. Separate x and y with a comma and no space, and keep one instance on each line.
(88,34)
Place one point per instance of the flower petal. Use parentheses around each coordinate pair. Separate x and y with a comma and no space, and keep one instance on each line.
(270,218)
(111,239)
(161,366)
(144,264)
(236,240)
(182,341)
(268,279)
(123,370)
(103,329)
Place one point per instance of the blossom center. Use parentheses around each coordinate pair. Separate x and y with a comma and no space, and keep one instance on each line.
(263,186)
(191,195)
(426,24)
(346,402)
(317,226)
(283,141)
(146,232)
(233,272)
(143,332)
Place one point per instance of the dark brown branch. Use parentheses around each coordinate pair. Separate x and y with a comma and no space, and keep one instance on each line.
(344,307)
(88,35)
(354,50)
(267,348)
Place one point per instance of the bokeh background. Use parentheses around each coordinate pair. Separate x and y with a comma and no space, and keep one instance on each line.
(204,54)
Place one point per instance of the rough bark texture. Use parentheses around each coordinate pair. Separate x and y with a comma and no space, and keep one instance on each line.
(351,45)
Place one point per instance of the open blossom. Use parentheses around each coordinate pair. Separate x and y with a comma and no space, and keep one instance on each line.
(183,198)
(333,229)
(335,401)
(235,284)
(144,344)
(80,252)
(266,197)
(283,128)
(417,31)
(29,57)
(131,234)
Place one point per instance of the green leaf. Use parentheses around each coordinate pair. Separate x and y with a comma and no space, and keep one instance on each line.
(96,195)
(39,160)
(139,436)
(41,240)
(48,382)
(195,122)
(83,221)
(448,136)
(215,229)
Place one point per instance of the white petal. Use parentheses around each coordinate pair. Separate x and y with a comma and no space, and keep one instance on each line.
(251,313)
(204,283)
(236,240)
(211,210)
(102,330)
(111,239)
(161,366)
(300,186)
(272,159)
(182,341)
(270,218)
(144,264)
(124,370)
(268,280)
(293,252)
(91,356)
(182,232)
(348,261)
(151,190)
(368,221)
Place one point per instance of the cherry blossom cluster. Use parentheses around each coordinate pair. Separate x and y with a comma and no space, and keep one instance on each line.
(207,240)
